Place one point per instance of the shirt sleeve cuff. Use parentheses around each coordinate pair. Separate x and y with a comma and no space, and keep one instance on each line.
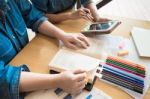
(38,23)
(14,88)
(87,2)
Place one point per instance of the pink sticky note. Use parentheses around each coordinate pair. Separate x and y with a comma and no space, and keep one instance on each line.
(122,45)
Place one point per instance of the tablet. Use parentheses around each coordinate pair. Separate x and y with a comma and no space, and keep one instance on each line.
(101,28)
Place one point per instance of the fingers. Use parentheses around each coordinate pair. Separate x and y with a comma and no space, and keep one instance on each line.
(84,39)
(86,10)
(89,16)
(80,43)
(103,20)
(86,17)
(83,82)
(80,77)
(86,14)
(78,71)
(76,41)
(78,91)
(80,86)
(72,46)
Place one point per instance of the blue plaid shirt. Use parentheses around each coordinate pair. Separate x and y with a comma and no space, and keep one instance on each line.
(56,6)
(15,17)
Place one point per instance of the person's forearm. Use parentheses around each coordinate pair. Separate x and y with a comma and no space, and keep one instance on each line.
(34,81)
(49,29)
(56,18)
(93,11)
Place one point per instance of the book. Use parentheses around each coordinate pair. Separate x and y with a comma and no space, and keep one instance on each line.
(141,40)
(87,59)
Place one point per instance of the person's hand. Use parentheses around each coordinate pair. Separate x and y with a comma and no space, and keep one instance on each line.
(100,19)
(74,41)
(82,13)
(73,81)
(103,20)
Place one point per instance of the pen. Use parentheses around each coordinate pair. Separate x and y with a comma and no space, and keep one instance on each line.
(78,4)
(88,15)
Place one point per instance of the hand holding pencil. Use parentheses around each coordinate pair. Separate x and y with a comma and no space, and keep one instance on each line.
(82,13)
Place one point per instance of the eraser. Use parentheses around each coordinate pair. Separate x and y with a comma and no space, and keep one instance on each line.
(123,52)
(99,75)
(122,45)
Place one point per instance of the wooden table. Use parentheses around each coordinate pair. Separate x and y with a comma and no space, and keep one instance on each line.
(38,53)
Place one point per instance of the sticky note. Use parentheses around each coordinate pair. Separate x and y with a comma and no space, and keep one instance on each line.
(122,45)
(123,52)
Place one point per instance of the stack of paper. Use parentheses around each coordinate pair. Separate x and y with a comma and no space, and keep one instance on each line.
(124,73)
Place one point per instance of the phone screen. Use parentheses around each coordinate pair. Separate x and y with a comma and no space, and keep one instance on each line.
(101,26)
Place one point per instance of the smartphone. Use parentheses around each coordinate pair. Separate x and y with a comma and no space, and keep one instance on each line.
(101,28)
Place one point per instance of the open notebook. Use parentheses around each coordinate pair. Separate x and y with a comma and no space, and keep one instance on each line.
(141,38)
(87,59)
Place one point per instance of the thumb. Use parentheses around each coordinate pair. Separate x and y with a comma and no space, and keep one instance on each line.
(86,10)
(78,71)
(80,77)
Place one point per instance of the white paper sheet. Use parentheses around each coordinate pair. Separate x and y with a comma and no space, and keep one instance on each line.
(49,94)
(133,56)
(110,45)
(69,60)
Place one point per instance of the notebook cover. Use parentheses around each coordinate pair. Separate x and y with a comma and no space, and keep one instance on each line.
(141,38)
